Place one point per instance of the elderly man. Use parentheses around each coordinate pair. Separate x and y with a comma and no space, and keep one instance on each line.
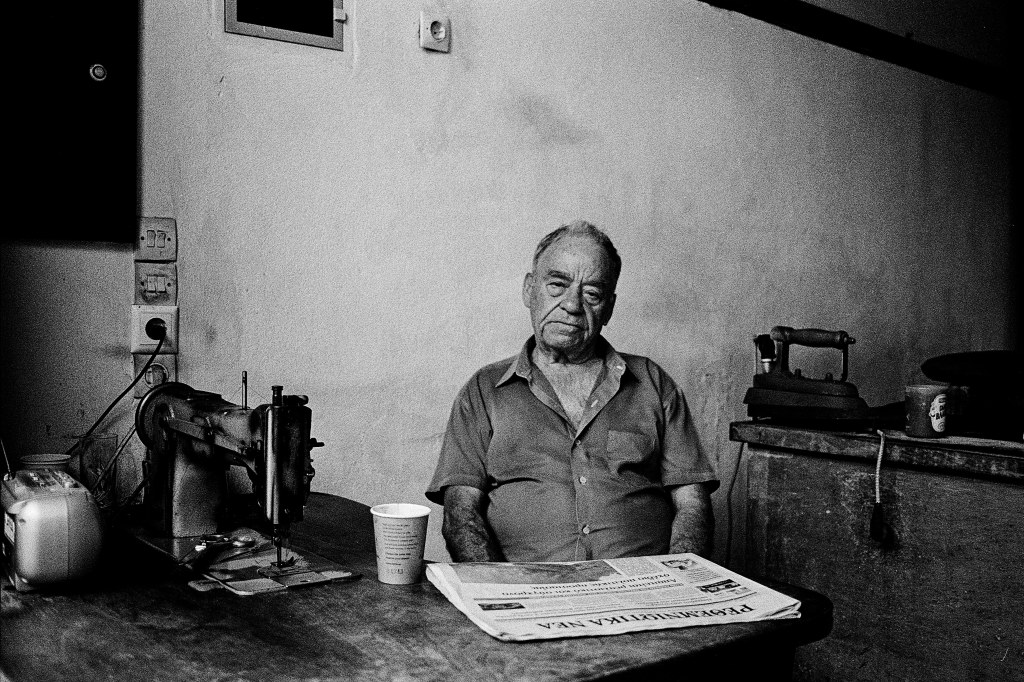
(570,450)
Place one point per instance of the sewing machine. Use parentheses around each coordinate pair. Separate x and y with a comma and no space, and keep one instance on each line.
(193,438)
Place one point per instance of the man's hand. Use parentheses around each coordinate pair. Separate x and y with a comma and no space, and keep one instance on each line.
(465,530)
(694,525)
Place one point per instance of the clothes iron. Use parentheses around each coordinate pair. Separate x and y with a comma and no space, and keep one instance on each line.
(783,395)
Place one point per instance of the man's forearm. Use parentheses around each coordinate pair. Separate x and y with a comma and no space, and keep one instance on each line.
(693,527)
(465,530)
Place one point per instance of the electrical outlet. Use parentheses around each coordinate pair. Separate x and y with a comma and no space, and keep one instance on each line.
(163,369)
(156,240)
(156,283)
(435,30)
(141,316)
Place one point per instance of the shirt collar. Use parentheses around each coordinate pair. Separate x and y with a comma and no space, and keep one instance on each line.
(522,366)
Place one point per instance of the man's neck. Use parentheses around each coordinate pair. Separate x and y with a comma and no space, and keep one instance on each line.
(555,358)
(572,380)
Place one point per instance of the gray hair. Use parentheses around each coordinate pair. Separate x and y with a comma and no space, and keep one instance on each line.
(581,228)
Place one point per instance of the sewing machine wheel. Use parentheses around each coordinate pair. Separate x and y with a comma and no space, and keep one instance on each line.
(151,409)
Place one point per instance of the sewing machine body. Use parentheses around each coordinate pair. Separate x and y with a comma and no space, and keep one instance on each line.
(194,436)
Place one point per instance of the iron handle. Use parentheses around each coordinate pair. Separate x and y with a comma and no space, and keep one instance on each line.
(816,338)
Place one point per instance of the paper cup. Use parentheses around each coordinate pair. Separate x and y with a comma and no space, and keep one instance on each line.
(399,531)
(927,410)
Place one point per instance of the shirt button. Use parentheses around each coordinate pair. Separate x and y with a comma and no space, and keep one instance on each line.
(586,530)
(583,479)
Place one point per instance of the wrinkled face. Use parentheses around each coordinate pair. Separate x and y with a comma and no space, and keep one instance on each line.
(570,295)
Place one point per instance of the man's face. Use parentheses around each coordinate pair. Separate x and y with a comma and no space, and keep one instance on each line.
(570,295)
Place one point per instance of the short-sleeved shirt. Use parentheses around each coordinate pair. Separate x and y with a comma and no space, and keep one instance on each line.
(558,493)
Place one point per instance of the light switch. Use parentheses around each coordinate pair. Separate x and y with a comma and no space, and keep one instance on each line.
(156,283)
(156,240)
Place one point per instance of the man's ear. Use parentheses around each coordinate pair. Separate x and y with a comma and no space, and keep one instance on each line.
(608,311)
(528,289)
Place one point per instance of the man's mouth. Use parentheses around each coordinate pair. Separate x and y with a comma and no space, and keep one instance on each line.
(564,330)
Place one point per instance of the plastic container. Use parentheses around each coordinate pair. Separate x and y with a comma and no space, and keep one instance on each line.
(57,462)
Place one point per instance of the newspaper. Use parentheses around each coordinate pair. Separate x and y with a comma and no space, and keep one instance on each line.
(523,601)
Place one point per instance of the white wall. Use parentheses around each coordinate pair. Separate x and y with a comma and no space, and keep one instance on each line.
(355,225)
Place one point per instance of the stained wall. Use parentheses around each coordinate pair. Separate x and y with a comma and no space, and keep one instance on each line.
(355,225)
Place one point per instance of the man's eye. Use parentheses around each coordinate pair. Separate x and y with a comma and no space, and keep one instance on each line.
(593,296)
(555,287)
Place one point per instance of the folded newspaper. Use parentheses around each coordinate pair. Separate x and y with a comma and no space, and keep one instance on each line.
(523,601)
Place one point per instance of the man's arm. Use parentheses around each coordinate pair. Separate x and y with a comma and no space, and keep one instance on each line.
(465,530)
(693,527)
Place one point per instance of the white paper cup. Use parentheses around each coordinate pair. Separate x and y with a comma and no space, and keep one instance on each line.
(399,531)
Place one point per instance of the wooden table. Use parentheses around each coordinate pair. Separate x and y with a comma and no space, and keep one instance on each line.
(139,620)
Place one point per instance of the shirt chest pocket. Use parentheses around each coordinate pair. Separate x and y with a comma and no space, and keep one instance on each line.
(633,456)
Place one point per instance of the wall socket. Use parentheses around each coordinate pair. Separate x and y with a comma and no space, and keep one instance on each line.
(163,369)
(156,240)
(435,30)
(141,315)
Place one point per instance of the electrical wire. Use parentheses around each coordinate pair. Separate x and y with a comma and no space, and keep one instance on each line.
(109,502)
(123,504)
(9,472)
(878,466)
(728,504)
(116,400)
(110,463)
(878,529)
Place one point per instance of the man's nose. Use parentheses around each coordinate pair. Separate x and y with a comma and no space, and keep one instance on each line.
(572,301)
